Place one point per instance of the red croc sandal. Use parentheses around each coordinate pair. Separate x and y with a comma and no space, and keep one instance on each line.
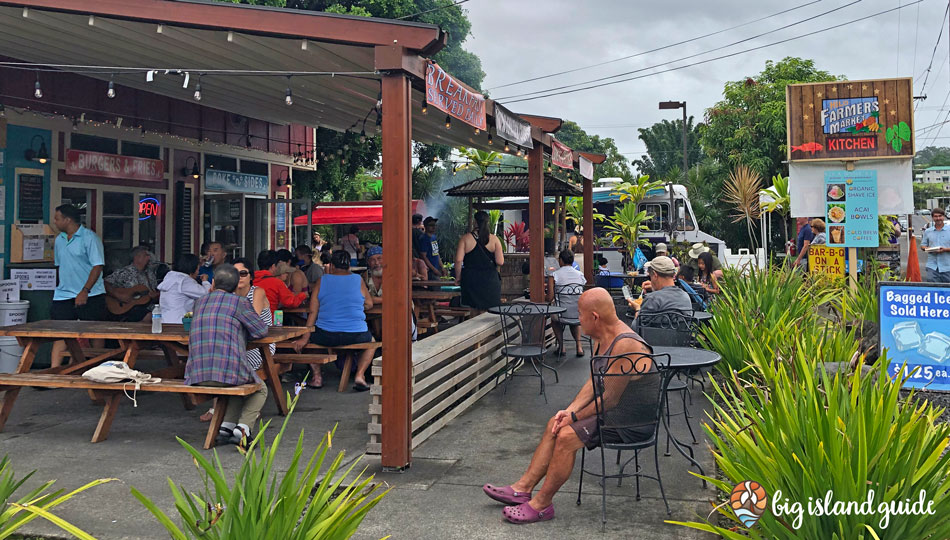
(506,494)
(524,513)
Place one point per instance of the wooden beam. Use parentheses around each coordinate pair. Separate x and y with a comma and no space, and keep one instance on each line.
(596,159)
(397,182)
(536,221)
(589,230)
(315,25)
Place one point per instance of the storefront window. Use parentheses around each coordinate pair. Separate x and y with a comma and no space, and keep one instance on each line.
(151,216)
(91,143)
(81,199)
(119,212)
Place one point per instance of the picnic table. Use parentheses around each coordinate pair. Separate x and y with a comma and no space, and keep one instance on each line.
(132,338)
(434,283)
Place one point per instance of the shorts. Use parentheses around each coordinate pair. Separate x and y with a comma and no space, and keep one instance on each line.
(66,310)
(590,434)
(323,338)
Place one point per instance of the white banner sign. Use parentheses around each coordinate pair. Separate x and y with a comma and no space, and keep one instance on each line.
(9,290)
(512,128)
(806,186)
(587,167)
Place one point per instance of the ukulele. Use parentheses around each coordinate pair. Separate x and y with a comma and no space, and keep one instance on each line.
(139,297)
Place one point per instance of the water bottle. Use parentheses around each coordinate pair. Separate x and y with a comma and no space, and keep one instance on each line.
(157,320)
(208,261)
(278,317)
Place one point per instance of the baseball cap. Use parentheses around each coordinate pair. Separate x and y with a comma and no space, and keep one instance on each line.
(429,220)
(661,265)
(661,248)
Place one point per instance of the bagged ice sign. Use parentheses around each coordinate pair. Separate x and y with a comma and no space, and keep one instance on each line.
(915,332)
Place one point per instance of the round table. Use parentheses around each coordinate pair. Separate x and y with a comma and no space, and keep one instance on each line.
(535,353)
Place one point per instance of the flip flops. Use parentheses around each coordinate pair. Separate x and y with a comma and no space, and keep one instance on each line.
(523,514)
(506,494)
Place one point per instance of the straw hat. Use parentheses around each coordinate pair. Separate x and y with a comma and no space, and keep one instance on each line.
(697,248)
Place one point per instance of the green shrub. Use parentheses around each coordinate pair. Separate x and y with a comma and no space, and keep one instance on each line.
(37,503)
(263,502)
(803,432)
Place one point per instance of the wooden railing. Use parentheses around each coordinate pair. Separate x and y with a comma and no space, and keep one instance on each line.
(451,371)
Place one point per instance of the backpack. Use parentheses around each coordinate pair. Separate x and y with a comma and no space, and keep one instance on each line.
(115,372)
(693,295)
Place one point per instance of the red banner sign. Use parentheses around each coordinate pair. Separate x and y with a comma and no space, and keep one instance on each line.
(561,155)
(446,94)
(84,163)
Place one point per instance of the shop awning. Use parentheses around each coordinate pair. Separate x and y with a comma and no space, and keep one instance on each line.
(347,213)
(506,185)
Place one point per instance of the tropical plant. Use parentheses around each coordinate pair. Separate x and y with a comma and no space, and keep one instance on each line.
(518,235)
(741,190)
(38,502)
(625,227)
(664,144)
(574,206)
(636,190)
(270,499)
(494,216)
(805,436)
(886,229)
(781,201)
(479,160)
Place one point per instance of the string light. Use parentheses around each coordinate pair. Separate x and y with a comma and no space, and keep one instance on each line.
(3,111)
(518,153)
(110,93)
(363,136)
(198,89)
(490,142)
(448,122)
(75,124)
(38,93)
(289,97)
(379,122)
(507,148)
(425,106)
(477,131)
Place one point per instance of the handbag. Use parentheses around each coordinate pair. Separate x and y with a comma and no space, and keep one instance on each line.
(120,372)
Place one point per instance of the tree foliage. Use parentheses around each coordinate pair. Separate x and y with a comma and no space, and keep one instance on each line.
(922,192)
(748,126)
(932,156)
(615,166)
(664,142)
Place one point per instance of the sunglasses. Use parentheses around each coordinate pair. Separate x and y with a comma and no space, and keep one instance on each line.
(244,273)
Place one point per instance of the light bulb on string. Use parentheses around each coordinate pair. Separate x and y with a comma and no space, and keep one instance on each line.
(425,106)
(75,124)
(507,148)
(38,92)
(289,96)
(363,136)
(490,142)
(448,122)
(477,131)
(110,93)
(518,153)
(198,89)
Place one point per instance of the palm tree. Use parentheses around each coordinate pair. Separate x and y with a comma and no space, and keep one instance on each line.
(741,190)
(781,200)
(479,159)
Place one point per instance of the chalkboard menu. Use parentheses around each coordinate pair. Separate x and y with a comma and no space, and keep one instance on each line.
(30,197)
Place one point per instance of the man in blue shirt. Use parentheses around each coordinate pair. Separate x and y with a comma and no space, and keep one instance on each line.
(429,248)
(81,293)
(216,255)
(805,236)
(937,244)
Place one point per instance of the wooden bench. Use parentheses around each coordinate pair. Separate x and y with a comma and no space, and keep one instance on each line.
(113,393)
(317,354)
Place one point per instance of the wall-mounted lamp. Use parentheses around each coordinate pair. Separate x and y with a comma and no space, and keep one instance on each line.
(194,171)
(41,155)
(283,180)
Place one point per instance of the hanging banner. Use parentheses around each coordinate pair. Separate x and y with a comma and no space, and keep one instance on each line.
(913,330)
(561,155)
(512,128)
(84,163)
(586,167)
(850,120)
(446,94)
(851,208)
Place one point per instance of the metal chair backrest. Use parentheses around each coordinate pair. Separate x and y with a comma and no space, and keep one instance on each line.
(628,391)
(566,296)
(523,323)
(666,328)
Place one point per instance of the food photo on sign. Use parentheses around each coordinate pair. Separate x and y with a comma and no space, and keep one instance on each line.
(915,333)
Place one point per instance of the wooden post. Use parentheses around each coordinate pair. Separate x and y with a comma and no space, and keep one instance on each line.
(557,221)
(563,221)
(536,221)
(397,179)
(589,230)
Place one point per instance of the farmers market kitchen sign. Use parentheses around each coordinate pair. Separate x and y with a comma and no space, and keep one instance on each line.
(850,120)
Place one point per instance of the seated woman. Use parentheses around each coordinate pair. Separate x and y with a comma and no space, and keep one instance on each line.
(563,285)
(337,307)
(707,277)
(179,289)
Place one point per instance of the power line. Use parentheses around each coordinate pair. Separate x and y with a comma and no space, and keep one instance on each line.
(934,53)
(430,10)
(686,57)
(837,26)
(653,50)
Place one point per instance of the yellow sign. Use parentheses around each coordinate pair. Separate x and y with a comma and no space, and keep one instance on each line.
(824,259)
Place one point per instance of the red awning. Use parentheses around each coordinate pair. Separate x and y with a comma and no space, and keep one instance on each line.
(346,213)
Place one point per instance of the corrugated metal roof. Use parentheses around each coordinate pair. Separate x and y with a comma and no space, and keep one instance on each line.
(508,185)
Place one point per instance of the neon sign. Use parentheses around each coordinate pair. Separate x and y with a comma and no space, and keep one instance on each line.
(149,207)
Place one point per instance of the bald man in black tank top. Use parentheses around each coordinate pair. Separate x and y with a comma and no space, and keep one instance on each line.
(573,427)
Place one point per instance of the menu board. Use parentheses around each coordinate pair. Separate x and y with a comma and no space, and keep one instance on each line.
(851,208)
(914,332)
(30,197)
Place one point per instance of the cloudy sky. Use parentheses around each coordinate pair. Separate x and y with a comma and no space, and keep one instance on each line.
(522,39)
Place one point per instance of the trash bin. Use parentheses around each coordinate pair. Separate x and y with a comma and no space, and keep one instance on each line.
(14,312)
(10,352)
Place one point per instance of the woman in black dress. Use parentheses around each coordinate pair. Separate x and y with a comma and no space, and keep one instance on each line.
(476,265)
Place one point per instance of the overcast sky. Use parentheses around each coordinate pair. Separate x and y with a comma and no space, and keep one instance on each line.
(521,39)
